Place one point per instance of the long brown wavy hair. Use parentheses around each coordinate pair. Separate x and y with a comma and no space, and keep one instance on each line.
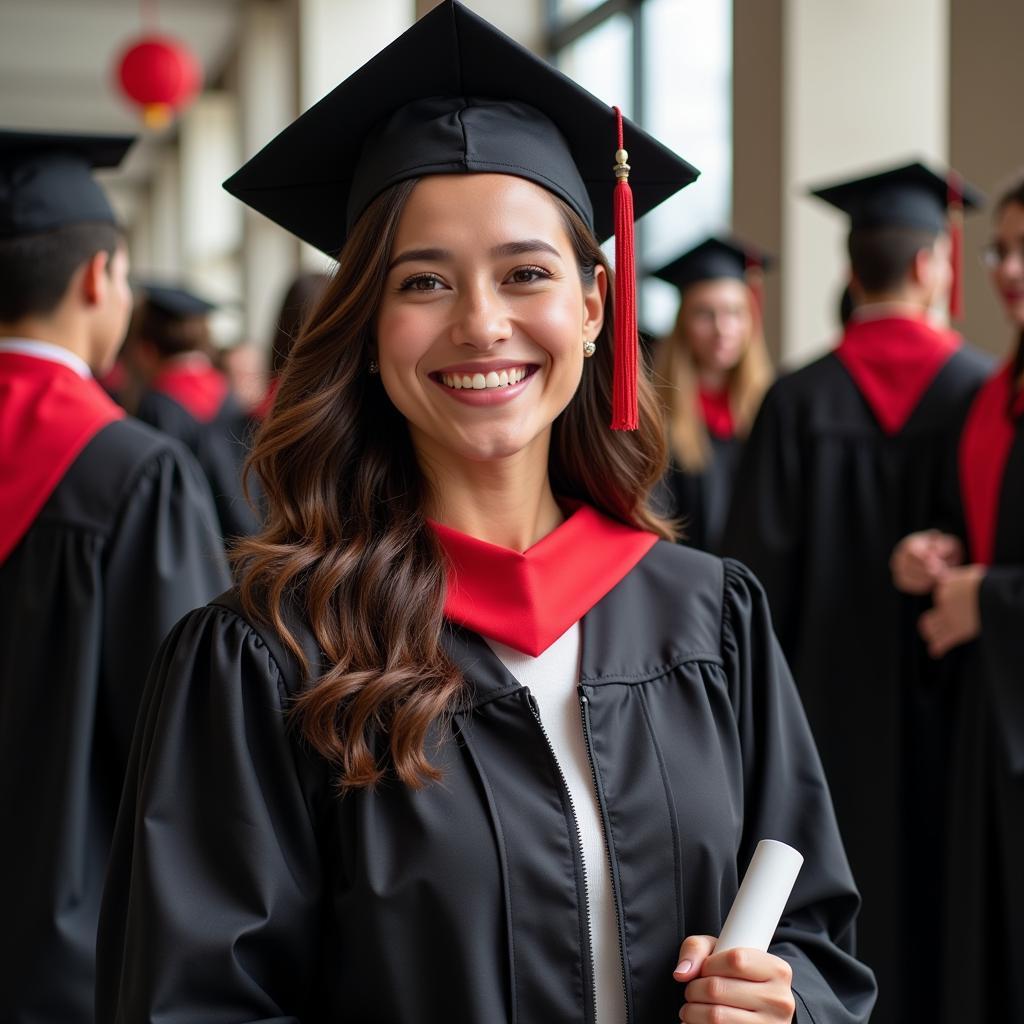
(675,371)
(346,546)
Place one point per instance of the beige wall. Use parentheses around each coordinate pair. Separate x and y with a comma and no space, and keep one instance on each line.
(865,86)
(986,136)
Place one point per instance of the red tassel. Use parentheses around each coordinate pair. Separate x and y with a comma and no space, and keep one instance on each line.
(624,400)
(956,248)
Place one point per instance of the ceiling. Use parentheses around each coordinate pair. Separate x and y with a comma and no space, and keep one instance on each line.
(57,61)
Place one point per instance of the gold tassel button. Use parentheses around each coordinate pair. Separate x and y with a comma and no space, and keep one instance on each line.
(621,167)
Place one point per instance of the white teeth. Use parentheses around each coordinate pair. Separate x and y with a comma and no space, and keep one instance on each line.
(481,382)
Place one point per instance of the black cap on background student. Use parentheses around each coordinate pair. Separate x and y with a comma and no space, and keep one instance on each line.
(910,196)
(717,257)
(46,180)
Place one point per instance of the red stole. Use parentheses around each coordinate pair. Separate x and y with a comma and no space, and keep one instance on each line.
(714,407)
(528,599)
(199,388)
(893,360)
(984,448)
(48,414)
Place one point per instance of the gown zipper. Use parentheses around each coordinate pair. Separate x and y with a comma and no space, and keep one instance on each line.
(585,716)
(534,707)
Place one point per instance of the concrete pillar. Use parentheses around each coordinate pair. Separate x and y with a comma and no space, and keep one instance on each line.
(757,173)
(336,37)
(268,86)
(165,216)
(826,89)
(865,84)
(211,220)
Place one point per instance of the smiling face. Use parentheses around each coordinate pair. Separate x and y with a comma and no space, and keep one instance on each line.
(1007,260)
(483,318)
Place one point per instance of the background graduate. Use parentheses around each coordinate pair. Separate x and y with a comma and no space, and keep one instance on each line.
(711,373)
(188,398)
(107,537)
(981,604)
(848,455)
(531,745)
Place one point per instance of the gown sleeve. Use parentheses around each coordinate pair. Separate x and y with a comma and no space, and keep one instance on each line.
(786,798)
(166,557)
(211,908)
(764,526)
(1001,602)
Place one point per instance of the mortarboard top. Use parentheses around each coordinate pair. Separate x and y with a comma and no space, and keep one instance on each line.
(450,95)
(46,180)
(176,303)
(714,258)
(912,196)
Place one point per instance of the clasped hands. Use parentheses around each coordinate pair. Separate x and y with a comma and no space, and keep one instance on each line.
(737,986)
(931,562)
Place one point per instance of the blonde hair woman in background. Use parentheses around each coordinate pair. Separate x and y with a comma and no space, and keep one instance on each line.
(712,372)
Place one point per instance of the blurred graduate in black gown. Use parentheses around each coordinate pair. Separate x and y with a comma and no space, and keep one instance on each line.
(187,397)
(108,536)
(976,582)
(847,456)
(712,372)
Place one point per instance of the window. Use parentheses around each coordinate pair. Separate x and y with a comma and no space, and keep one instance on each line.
(668,65)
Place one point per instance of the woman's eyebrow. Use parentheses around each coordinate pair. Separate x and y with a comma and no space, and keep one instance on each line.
(525,246)
(427,255)
(519,248)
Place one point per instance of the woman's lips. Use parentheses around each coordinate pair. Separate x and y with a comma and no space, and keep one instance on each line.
(484,385)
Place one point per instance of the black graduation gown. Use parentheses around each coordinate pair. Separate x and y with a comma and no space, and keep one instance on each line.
(124,546)
(243,889)
(822,498)
(700,501)
(984,979)
(220,445)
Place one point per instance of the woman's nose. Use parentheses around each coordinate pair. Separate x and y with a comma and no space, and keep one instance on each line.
(481,319)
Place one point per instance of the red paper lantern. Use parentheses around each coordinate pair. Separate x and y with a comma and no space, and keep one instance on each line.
(160,75)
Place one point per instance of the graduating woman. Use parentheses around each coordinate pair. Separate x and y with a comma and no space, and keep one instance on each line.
(712,372)
(471,742)
(981,604)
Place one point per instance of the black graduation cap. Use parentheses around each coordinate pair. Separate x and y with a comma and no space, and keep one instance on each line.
(912,196)
(176,303)
(46,180)
(450,95)
(713,258)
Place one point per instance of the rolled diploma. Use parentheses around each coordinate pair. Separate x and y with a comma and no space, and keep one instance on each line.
(762,897)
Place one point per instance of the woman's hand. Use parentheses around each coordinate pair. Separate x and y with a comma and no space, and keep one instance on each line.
(739,986)
(955,616)
(921,559)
